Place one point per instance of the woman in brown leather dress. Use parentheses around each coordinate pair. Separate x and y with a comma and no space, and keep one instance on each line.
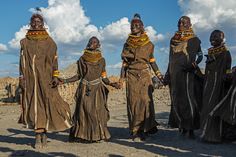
(185,54)
(43,108)
(137,57)
(218,66)
(91,113)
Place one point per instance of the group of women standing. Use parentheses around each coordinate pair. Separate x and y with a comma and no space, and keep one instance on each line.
(196,99)
(201,100)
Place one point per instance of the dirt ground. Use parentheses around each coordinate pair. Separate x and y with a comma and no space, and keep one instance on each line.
(15,140)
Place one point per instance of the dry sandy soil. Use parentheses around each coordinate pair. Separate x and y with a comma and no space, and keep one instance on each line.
(15,140)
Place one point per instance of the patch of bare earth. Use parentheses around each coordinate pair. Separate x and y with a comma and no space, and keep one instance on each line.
(15,140)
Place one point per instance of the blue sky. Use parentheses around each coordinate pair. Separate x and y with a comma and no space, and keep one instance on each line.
(72,22)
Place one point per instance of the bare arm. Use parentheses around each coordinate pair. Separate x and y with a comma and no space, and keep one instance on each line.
(71,79)
(154,66)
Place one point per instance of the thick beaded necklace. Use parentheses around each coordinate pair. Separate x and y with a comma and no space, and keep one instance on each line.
(183,35)
(137,41)
(92,56)
(217,50)
(37,34)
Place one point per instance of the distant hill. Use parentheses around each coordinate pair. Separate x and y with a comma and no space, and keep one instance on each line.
(69,71)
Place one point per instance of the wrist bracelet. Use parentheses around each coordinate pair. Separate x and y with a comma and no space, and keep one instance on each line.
(56,73)
(158,73)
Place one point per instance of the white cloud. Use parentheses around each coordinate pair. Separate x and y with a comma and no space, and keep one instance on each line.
(67,21)
(152,33)
(115,66)
(210,14)
(163,50)
(161,37)
(3,47)
(15,43)
(116,31)
(69,26)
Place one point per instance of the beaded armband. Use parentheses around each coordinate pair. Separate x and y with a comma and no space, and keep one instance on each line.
(56,73)
(104,74)
(158,73)
(152,60)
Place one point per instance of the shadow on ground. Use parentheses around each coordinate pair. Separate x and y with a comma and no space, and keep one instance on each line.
(31,153)
(168,142)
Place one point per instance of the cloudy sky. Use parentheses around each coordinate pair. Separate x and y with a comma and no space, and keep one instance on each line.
(72,22)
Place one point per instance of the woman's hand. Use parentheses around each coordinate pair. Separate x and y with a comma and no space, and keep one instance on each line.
(55,82)
(61,81)
(115,85)
(121,83)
